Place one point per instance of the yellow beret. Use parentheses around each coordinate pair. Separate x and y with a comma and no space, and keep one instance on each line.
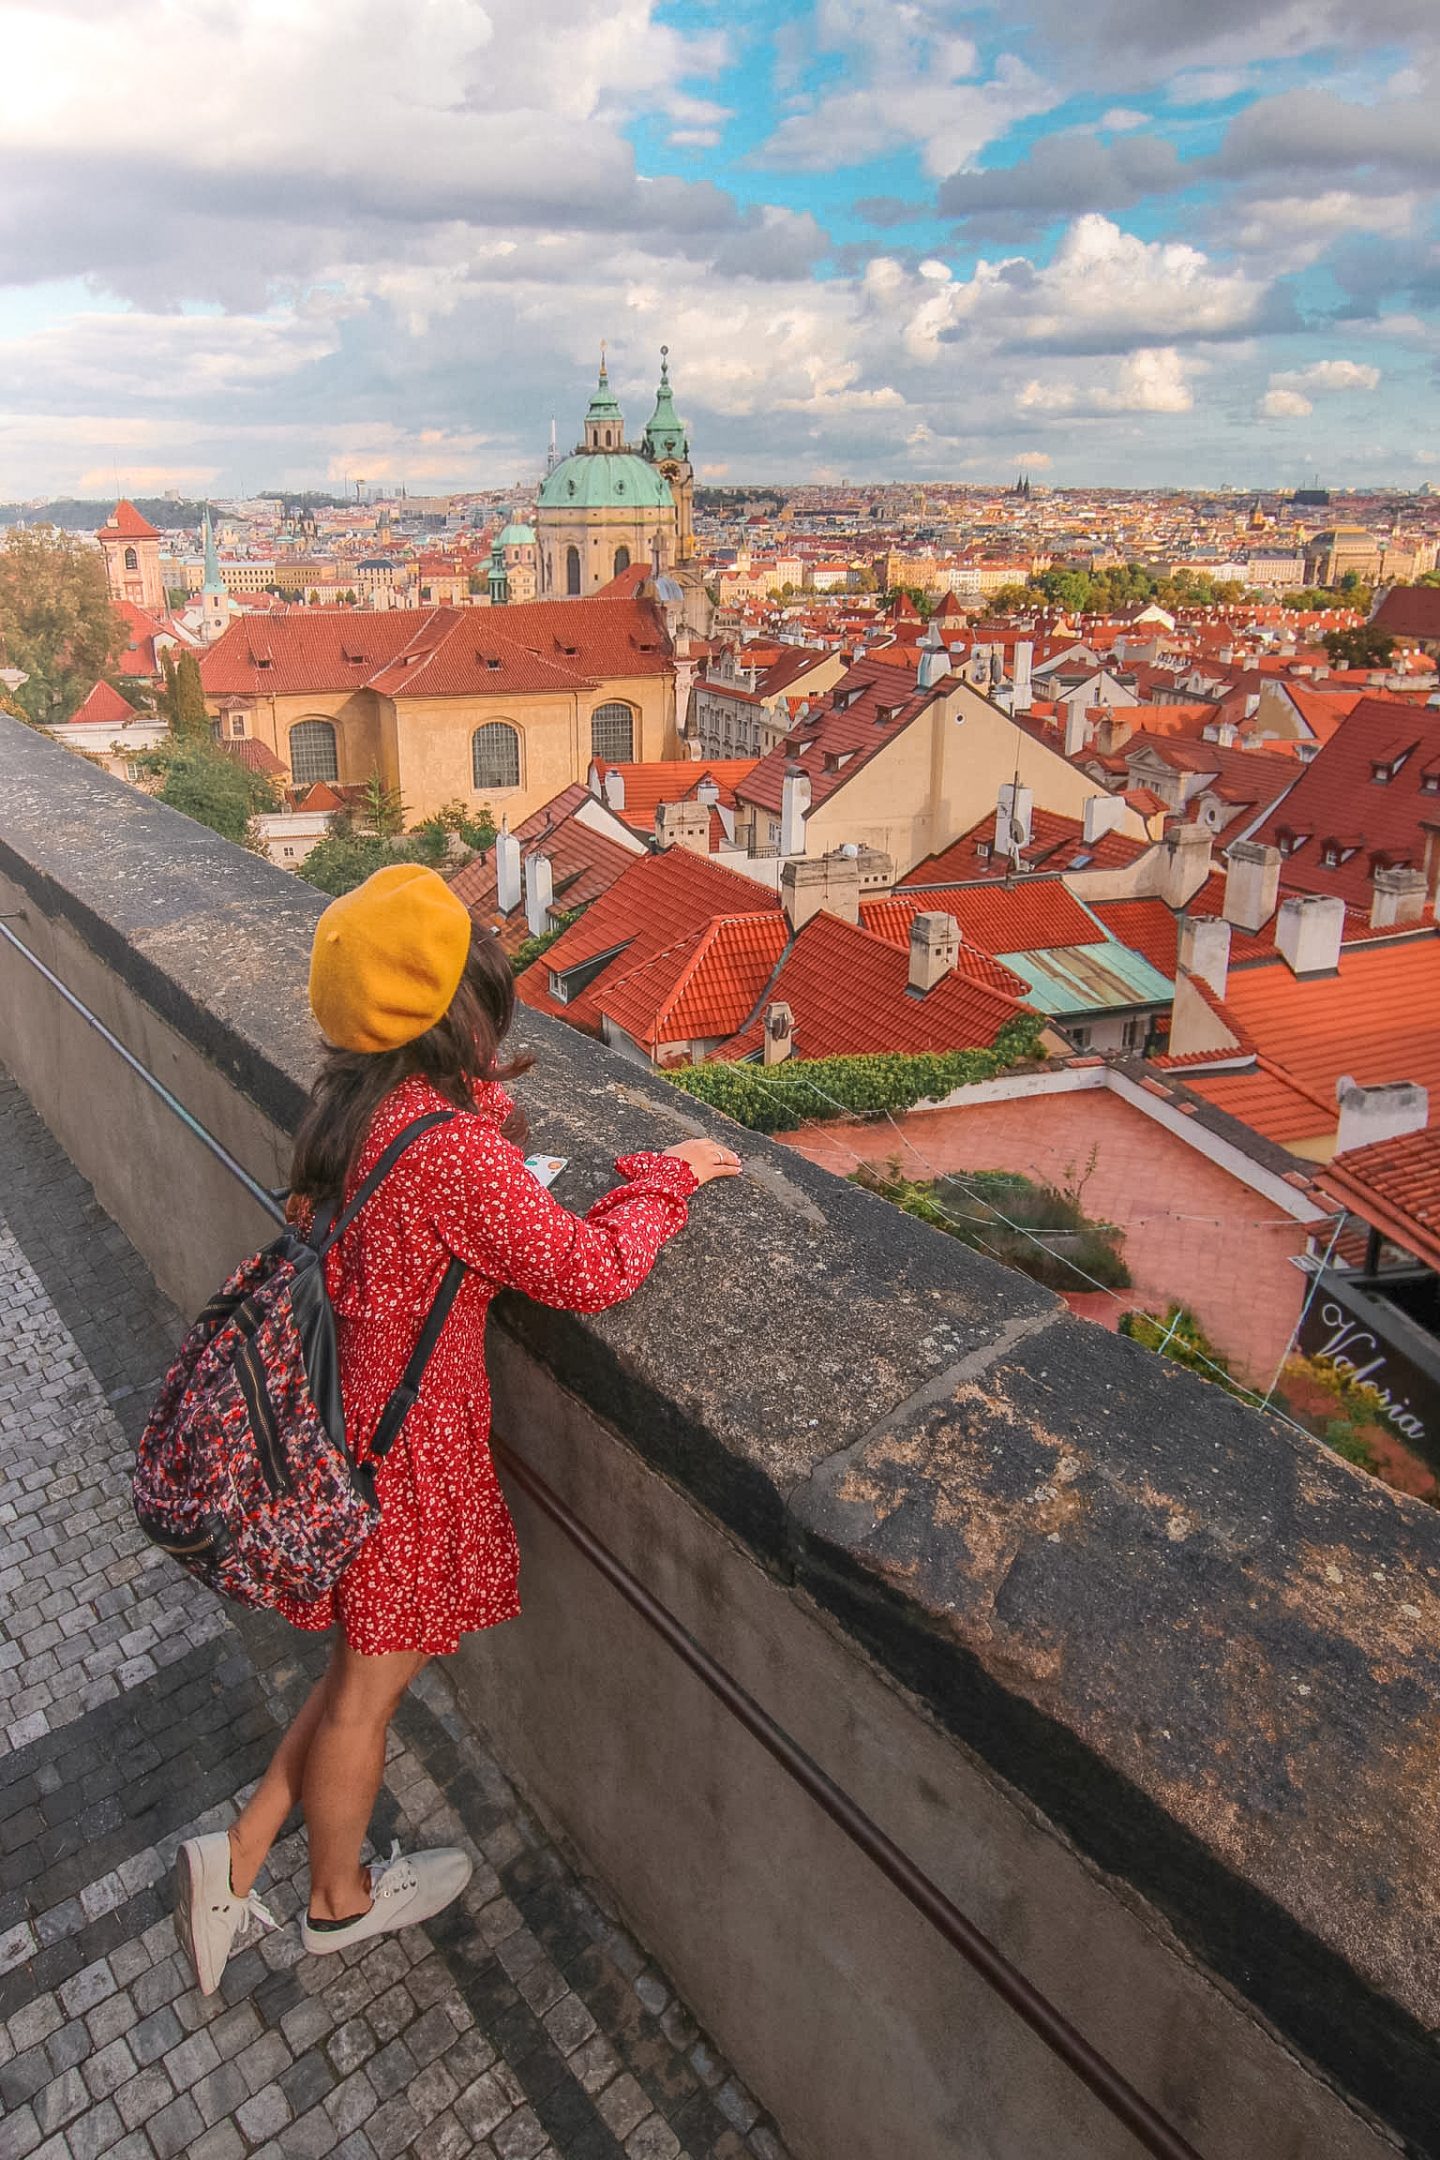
(388,958)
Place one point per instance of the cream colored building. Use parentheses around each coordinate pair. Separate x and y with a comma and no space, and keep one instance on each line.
(503,707)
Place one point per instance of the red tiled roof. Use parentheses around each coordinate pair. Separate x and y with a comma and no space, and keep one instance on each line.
(443,651)
(1411,611)
(102,706)
(668,780)
(849,992)
(1269,1102)
(584,863)
(703,986)
(255,756)
(1036,914)
(1056,843)
(836,740)
(1337,798)
(126,523)
(655,902)
(1396,1185)
(1377,1018)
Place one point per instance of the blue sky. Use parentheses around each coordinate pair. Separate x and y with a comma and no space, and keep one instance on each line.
(1136,241)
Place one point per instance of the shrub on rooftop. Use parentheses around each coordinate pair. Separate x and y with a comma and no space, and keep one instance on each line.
(801,1091)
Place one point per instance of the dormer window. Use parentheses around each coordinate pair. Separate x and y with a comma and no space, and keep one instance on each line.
(1383,772)
(1430,783)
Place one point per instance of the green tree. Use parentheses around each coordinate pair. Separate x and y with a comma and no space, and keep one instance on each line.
(1363,647)
(182,699)
(381,810)
(922,601)
(196,776)
(56,621)
(453,821)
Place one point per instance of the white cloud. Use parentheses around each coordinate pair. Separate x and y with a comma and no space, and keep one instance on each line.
(1121,118)
(1284,405)
(1156,380)
(912,82)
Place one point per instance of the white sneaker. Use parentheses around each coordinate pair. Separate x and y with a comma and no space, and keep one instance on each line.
(404,1890)
(209,1919)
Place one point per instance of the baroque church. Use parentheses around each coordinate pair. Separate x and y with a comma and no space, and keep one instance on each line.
(613,505)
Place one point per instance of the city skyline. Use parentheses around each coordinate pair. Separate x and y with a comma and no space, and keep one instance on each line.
(902,242)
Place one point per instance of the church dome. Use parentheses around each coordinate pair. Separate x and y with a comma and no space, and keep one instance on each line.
(516,536)
(605,480)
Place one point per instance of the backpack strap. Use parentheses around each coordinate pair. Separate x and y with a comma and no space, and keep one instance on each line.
(327,1231)
(392,1417)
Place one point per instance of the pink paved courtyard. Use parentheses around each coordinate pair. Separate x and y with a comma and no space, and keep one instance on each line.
(1192,1231)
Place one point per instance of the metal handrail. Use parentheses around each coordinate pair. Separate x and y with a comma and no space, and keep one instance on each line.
(1114,2092)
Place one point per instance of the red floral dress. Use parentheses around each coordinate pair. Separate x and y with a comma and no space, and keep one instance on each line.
(444,1559)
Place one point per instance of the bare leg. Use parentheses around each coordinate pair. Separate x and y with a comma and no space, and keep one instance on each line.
(262,1818)
(343,1766)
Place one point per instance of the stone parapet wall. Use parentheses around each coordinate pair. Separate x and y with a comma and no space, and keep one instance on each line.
(1146,1682)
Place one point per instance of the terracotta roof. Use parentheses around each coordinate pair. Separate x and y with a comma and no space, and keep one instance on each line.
(668,780)
(840,735)
(255,756)
(793,662)
(1338,798)
(584,863)
(441,652)
(103,706)
(705,985)
(1269,1102)
(1410,611)
(849,992)
(126,523)
(1396,1185)
(1037,914)
(655,902)
(1056,843)
(1377,1018)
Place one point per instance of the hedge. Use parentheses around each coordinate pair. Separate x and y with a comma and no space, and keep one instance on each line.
(799,1091)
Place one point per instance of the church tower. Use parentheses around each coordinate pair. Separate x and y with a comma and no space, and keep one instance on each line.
(604,508)
(131,548)
(668,448)
(214,594)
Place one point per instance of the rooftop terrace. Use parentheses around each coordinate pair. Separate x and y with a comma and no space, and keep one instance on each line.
(1144,1684)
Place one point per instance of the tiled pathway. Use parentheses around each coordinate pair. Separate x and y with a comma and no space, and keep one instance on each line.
(521,2023)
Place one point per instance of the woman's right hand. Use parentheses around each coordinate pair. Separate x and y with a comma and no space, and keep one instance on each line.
(707,1159)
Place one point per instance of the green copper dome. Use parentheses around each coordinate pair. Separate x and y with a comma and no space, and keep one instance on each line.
(516,536)
(605,480)
(665,435)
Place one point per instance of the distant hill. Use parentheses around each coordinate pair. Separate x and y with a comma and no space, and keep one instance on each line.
(74,515)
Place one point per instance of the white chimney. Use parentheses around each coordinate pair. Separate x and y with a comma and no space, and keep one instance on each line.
(685,825)
(708,791)
(1368,1114)
(934,660)
(1024,656)
(1398,898)
(1077,729)
(1205,950)
(1103,813)
(1308,930)
(507,869)
(829,882)
(934,949)
(794,802)
(615,789)
(779,1036)
(1252,885)
(1013,818)
(539,892)
(1182,864)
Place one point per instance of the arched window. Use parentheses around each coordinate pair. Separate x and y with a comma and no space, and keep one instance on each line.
(572,570)
(495,755)
(132,560)
(622,560)
(312,752)
(612,734)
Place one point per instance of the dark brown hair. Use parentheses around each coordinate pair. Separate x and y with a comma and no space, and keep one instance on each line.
(460,1049)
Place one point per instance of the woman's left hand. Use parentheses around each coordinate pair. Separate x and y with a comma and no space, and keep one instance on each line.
(516,1127)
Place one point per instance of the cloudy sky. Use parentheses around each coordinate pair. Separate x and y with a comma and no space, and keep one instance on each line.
(251,243)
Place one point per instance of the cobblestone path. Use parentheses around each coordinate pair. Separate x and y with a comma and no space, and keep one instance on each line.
(133,1708)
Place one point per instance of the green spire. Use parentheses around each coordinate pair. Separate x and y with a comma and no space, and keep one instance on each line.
(665,435)
(213,581)
(498,579)
(604,405)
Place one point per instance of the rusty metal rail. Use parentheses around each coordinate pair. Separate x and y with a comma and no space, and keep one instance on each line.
(1115,2093)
